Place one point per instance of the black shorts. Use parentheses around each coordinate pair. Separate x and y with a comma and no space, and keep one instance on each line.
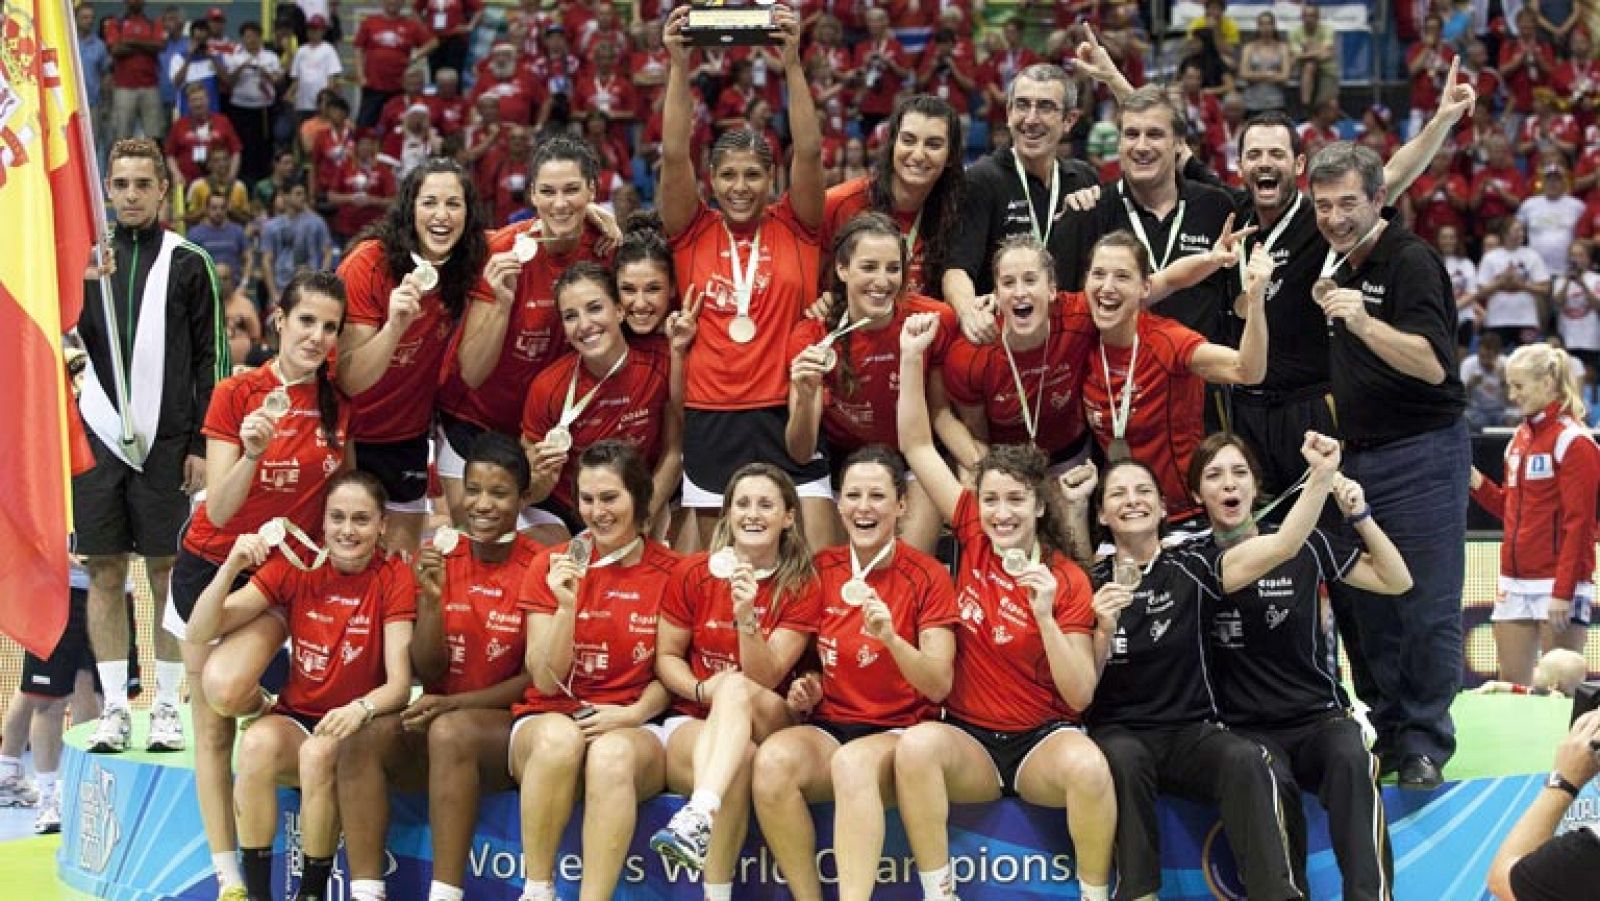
(845,733)
(191,574)
(306,721)
(54,678)
(1009,750)
(402,466)
(717,442)
(117,509)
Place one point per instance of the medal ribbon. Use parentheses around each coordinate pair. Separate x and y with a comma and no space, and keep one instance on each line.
(1137,222)
(1055,195)
(1256,517)
(1030,418)
(1277,231)
(859,572)
(569,411)
(845,328)
(744,276)
(1119,409)
(293,531)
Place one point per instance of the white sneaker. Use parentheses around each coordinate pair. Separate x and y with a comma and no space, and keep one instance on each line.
(166,729)
(113,731)
(48,820)
(16,792)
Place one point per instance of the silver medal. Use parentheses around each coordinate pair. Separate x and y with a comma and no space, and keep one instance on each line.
(445,539)
(273,532)
(524,248)
(558,438)
(426,274)
(830,359)
(276,403)
(579,550)
(855,592)
(742,329)
(723,563)
(1127,573)
(1014,561)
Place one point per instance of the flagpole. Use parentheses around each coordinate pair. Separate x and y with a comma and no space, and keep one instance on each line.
(102,248)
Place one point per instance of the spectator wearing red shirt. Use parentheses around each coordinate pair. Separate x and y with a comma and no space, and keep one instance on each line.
(1547,127)
(452,22)
(575,18)
(411,92)
(1577,78)
(411,143)
(1318,131)
(1485,79)
(386,44)
(946,72)
(879,68)
(648,69)
(507,183)
(519,96)
(487,139)
(555,71)
(1439,198)
(611,151)
(1427,64)
(602,88)
(135,43)
(363,187)
(827,43)
(332,147)
(1007,56)
(450,108)
(1498,188)
(735,96)
(189,144)
(1202,108)
(848,13)
(1526,62)
(605,28)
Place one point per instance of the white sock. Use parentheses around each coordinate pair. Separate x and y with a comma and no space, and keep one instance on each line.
(169,676)
(226,865)
(538,891)
(438,891)
(936,884)
(706,802)
(1089,892)
(11,766)
(719,891)
(368,890)
(114,682)
(46,783)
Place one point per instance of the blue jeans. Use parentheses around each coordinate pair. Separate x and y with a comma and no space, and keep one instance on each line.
(1406,650)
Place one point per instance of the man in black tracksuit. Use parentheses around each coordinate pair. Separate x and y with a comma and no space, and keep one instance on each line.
(171,349)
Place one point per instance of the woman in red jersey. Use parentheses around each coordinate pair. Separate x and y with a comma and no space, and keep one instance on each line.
(1025,668)
(467,652)
(887,648)
(605,388)
(755,264)
(591,716)
(408,281)
(1548,506)
(1156,414)
(733,624)
(646,284)
(844,371)
(275,435)
(918,183)
(350,624)
(506,342)
(1026,387)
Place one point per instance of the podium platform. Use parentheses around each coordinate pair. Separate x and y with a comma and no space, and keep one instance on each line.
(131,832)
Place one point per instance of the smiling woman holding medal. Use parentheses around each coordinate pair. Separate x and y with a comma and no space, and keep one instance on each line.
(467,652)
(734,622)
(591,716)
(274,436)
(887,648)
(1144,392)
(1272,652)
(843,372)
(1155,714)
(408,279)
(755,263)
(1024,660)
(350,621)
(603,389)
(516,332)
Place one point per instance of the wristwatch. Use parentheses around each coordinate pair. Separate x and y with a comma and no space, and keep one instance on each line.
(1557,781)
(372,711)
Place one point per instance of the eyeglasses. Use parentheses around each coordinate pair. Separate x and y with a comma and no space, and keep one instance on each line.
(1045,108)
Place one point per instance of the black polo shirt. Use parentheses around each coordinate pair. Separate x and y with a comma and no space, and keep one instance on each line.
(1205,209)
(1297,345)
(1404,284)
(994,207)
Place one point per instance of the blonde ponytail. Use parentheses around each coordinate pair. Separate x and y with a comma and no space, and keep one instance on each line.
(1541,359)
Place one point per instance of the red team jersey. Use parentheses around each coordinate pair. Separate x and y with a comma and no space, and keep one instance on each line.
(613,630)
(861,683)
(291,474)
(631,407)
(400,405)
(841,204)
(387,44)
(533,341)
(190,142)
(722,374)
(867,415)
(482,617)
(980,376)
(703,604)
(1002,677)
(374,179)
(1166,418)
(336,625)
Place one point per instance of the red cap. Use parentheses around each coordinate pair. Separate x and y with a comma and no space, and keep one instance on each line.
(317,22)
(216,12)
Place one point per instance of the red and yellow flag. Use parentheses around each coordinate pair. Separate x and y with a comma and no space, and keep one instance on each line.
(47,214)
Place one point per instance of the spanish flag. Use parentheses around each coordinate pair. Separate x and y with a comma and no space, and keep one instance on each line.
(48,219)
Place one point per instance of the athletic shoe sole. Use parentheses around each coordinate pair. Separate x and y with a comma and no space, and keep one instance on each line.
(665,843)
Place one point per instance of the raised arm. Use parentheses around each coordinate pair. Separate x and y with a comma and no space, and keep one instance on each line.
(1380,569)
(1413,157)
(364,351)
(916,436)
(805,403)
(678,196)
(1248,365)
(483,329)
(806,178)
(1250,560)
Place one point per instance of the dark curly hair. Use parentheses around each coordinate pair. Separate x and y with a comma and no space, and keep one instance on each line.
(397,232)
(1029,465)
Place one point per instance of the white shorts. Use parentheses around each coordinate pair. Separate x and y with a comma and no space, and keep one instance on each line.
(697,498)
(1510,606)
(533,515)
(449,461)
